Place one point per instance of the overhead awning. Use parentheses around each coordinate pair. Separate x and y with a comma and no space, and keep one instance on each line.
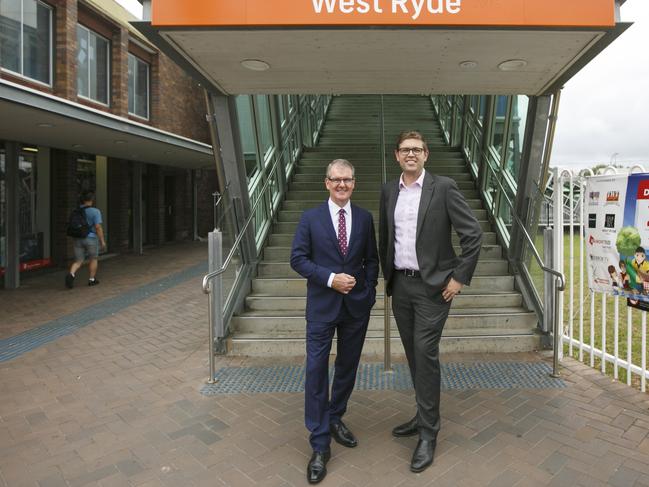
(382,46)
(54,122)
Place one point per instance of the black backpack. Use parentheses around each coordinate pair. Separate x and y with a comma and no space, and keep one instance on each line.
(77,224)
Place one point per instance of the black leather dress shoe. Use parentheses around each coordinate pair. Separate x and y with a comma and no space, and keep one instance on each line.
(406,429)
(423,455)
(317,468)
(340,432)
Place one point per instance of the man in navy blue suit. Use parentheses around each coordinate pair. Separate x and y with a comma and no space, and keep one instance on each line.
(335,250)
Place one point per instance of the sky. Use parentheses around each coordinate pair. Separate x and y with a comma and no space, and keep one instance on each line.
(604,111)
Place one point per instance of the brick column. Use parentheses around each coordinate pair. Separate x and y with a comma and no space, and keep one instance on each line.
(119,73)
(65,75)
(65,198)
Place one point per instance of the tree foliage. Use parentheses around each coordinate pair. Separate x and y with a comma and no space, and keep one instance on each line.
(628,239)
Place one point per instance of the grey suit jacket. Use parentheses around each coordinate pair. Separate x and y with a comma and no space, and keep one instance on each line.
(441,207)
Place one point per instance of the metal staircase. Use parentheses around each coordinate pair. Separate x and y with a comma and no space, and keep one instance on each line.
(489,316)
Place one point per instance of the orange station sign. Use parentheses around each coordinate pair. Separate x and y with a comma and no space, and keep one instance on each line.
(482,13)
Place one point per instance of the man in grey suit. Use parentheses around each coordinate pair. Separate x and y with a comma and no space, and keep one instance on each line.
(423,275)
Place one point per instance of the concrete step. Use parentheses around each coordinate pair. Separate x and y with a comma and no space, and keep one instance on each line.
(371,204)
(286,239)
(375,178)
(360,171)
(310,199)
(262,302)
(361,185)
(297,286)
(485,267)
(294,215)
(255,346)
(282,254)
(290,227)
(460,321)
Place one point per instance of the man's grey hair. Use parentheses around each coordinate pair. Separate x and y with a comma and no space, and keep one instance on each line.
(340,162)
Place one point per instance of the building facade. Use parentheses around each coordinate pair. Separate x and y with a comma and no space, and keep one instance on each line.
(86,102)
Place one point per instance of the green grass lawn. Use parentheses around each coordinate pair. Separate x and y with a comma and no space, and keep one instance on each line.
(574,317)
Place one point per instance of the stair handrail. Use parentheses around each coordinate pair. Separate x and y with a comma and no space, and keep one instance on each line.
(560,280)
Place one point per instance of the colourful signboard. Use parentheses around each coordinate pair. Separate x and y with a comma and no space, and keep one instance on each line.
(617,236)
(488,13)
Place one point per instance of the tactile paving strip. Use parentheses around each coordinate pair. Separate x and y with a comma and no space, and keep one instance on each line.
(17,345)
(370,377)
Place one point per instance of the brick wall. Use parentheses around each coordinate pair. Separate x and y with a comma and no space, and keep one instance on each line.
(65,49)
(177,102)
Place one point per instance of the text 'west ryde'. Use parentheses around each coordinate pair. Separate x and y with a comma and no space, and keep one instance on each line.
(414,8)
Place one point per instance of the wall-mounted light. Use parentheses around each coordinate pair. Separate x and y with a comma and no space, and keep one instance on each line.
(45,125)
(77,146)
(119,142)
(255,65)
(512,65)
(468,64)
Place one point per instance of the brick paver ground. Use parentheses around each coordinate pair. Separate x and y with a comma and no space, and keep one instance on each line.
(117,404)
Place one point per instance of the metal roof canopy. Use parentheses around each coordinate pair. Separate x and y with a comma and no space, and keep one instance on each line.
(311,52)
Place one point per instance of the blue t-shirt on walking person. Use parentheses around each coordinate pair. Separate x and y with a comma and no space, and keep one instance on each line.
(93,217)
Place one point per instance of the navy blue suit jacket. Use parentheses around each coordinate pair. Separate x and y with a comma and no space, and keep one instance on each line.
(315,255)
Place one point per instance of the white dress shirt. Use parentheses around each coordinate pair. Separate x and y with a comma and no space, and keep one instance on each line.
(405,224)
(334,210)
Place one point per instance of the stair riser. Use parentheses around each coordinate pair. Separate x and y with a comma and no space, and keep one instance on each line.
(362,185)
(294,216)
(282,254)
(297,287)
(261,303)
(469,324)
(373,348)
(290,227)
(283,269)
(286,240)
(373,178)
(359,197)
(320,170)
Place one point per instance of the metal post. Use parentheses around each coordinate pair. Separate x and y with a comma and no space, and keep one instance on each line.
(12,239)
(557,331)
(215,297)
(549,283)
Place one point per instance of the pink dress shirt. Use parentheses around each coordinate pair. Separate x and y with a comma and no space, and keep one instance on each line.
(405,224)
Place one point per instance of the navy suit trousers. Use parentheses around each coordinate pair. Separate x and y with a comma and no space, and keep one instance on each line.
(319,410)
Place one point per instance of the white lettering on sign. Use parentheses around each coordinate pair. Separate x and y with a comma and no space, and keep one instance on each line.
(646,192)
(347,6)
(414,8)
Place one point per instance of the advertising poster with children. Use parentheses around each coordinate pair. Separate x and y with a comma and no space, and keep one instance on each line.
(617,236)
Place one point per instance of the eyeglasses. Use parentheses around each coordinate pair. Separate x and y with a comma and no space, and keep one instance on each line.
(404,151)
(341,180)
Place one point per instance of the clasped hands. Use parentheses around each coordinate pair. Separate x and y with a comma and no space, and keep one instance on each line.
(343,283)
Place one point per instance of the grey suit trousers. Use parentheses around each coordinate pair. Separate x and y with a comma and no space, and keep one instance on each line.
(420,319)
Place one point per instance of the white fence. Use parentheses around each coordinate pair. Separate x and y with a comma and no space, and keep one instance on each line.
(591,331)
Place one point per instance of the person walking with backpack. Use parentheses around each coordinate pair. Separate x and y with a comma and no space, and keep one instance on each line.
(85,227)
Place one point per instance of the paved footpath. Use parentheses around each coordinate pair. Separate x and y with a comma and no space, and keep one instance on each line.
(117,402)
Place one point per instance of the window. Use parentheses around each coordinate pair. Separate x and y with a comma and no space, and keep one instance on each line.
(93,69)
(264,127)
(26,39)
(246,130)
(138,87)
